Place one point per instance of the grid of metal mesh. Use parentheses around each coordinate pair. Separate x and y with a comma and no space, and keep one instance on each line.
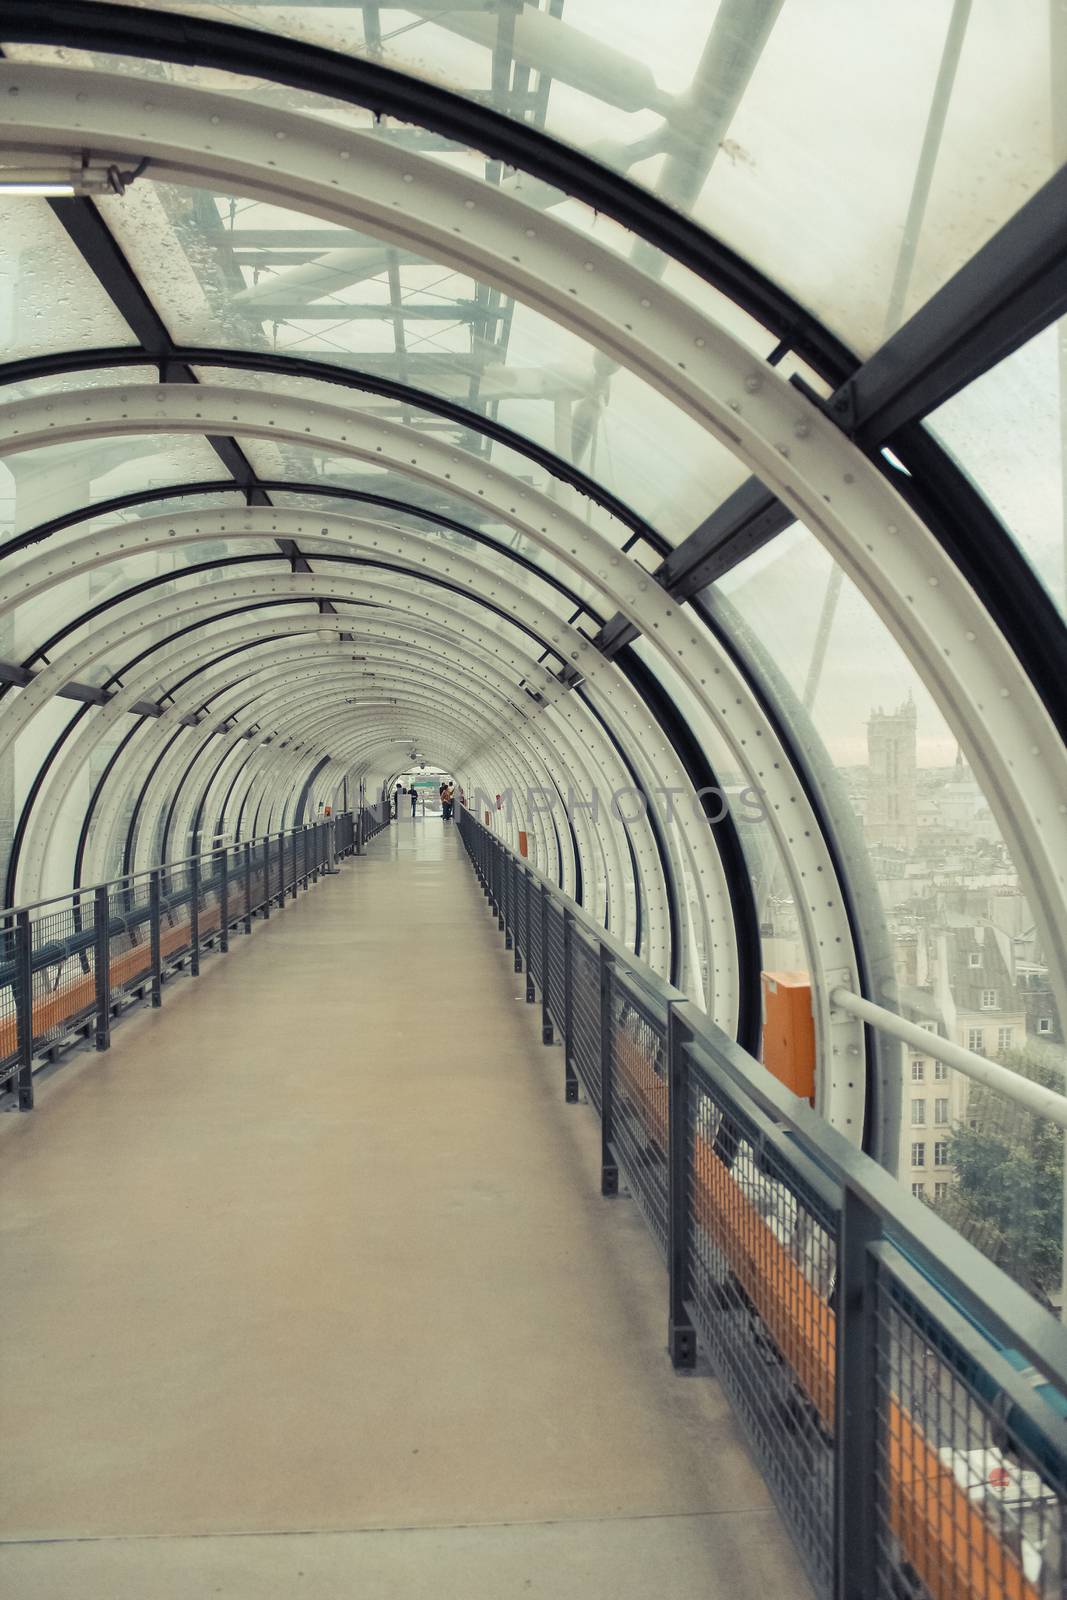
(585,1013)
(175,924)
(966,1503)
(64,981)
(129,938)
(556,977)
(534,953)
(9,1033)
(762,1254)
(639,1086)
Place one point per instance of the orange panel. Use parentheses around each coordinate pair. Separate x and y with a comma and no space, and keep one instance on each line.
(523,848)
(789,1031)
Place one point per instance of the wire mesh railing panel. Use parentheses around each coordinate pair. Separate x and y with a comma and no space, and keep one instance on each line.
(556,972)
(762,1255)
(129,936)
(175,911)
(585,1013)
(9,1027)
(969,1499)
(63,959)
(534,956)
(639,1096)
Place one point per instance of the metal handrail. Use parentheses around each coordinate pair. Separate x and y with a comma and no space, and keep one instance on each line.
(823,1293)
(1012,1085)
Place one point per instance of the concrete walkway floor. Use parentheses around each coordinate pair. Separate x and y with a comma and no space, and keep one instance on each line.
(308,1289)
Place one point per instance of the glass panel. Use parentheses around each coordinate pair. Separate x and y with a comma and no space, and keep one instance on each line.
(1008,431)
(36,485)
(49,298)
(72,382)
(237,273)
(735,113)
(968,964)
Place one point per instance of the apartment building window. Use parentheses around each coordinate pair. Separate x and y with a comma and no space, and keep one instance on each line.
(975,958)
(941,1153)
(940,1071)
(1004,1038)
(976,1039)
(918,1071)
(918,1113)
(919,1190)
(989,999)
(1044,1024)
(941,1112)
(940,1191)
(918,1155)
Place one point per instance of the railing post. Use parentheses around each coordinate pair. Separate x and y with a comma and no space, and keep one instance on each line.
(154,935)
(499,890)
(281,869)
(296,867)
(194,917)
(681,1335)
(518,884)
(509,901)
(528,895)
(24,1009)
(248,885)
(307,859)
(266,878)
(224,899)
(856,1444)
(359,831)
(609,1171)
(547,1036)
(570,1077)
(102,965)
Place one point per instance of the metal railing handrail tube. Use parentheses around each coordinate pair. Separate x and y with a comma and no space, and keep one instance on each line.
(1024,1091)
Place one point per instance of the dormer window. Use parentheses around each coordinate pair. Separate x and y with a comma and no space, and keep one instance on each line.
(975,958)
(989,999)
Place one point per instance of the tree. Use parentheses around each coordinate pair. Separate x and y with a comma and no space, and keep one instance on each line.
(1008,1164)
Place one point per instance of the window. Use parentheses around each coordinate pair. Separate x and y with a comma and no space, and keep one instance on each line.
(940,1191)
(941,1112)
(1004,1038)
(918,1113)
(976,1039)
(918,1070)
(989,999)
(940,1071)
(919,1190)
(975,958)
(941,1153)
(1044,1024)
(918,1155)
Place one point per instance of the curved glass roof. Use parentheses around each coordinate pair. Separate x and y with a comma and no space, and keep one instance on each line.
(748,492)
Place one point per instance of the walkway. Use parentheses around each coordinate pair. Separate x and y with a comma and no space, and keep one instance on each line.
(318,1251)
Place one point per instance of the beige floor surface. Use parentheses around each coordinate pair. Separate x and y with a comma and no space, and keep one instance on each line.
(316,1254)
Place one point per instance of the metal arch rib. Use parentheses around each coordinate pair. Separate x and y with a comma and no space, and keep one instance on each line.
(153,35)
(346,377)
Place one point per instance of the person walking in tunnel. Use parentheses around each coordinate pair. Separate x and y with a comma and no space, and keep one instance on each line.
(397,792)
(414,800)
(443,792)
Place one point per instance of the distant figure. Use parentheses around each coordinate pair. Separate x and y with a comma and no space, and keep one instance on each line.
(396,799)
(443,792)
(451,799)
(414,801)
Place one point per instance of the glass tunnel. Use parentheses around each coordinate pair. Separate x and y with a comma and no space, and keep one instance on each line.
(653,417)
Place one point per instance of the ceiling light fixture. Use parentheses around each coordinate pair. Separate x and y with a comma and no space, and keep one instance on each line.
(67,178)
